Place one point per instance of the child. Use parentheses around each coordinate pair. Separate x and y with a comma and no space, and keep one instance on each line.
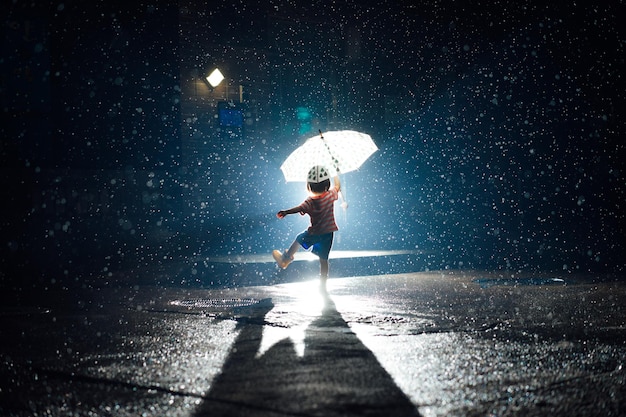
(320,207)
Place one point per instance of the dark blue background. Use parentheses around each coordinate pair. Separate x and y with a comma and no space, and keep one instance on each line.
(500,132)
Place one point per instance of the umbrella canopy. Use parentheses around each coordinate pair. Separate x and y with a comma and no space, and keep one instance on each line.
(339,151)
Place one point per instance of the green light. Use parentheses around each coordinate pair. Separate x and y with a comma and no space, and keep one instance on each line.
(303,114)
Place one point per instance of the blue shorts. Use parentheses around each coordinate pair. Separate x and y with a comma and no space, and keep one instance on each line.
(320,244)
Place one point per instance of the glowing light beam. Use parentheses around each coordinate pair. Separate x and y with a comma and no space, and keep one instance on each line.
(307,256)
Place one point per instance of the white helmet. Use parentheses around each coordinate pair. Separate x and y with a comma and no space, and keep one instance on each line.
(318,174)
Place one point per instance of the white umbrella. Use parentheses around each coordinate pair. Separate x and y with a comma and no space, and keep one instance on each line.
(339,151)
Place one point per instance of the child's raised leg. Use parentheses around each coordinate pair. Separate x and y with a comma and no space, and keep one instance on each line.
(293,249)
(283,259)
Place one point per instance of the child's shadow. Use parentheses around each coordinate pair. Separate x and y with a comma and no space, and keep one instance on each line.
(337,375)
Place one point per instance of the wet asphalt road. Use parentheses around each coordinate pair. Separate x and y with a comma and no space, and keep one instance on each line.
(431,344)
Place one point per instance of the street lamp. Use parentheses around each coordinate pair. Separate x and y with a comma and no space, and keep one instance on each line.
(215,78)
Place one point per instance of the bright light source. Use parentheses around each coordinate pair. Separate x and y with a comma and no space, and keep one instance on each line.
(300,305)
(215,78)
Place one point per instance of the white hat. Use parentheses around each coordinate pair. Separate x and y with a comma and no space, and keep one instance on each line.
(318,174)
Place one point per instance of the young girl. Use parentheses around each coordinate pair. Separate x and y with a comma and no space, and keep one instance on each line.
(320,208)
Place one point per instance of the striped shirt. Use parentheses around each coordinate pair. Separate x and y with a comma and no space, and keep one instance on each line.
(321,209)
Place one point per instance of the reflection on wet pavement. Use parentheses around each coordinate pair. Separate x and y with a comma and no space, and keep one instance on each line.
(323,370)
(437,344)
(532,351)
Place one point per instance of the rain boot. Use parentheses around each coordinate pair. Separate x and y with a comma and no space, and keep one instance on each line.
(281,258)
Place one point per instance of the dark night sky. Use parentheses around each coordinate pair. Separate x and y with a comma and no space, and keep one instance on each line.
(500,127)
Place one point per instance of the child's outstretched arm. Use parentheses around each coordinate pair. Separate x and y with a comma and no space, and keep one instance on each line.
(292,210)
(337,183)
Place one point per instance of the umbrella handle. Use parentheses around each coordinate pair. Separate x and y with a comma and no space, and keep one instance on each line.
(344,203)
